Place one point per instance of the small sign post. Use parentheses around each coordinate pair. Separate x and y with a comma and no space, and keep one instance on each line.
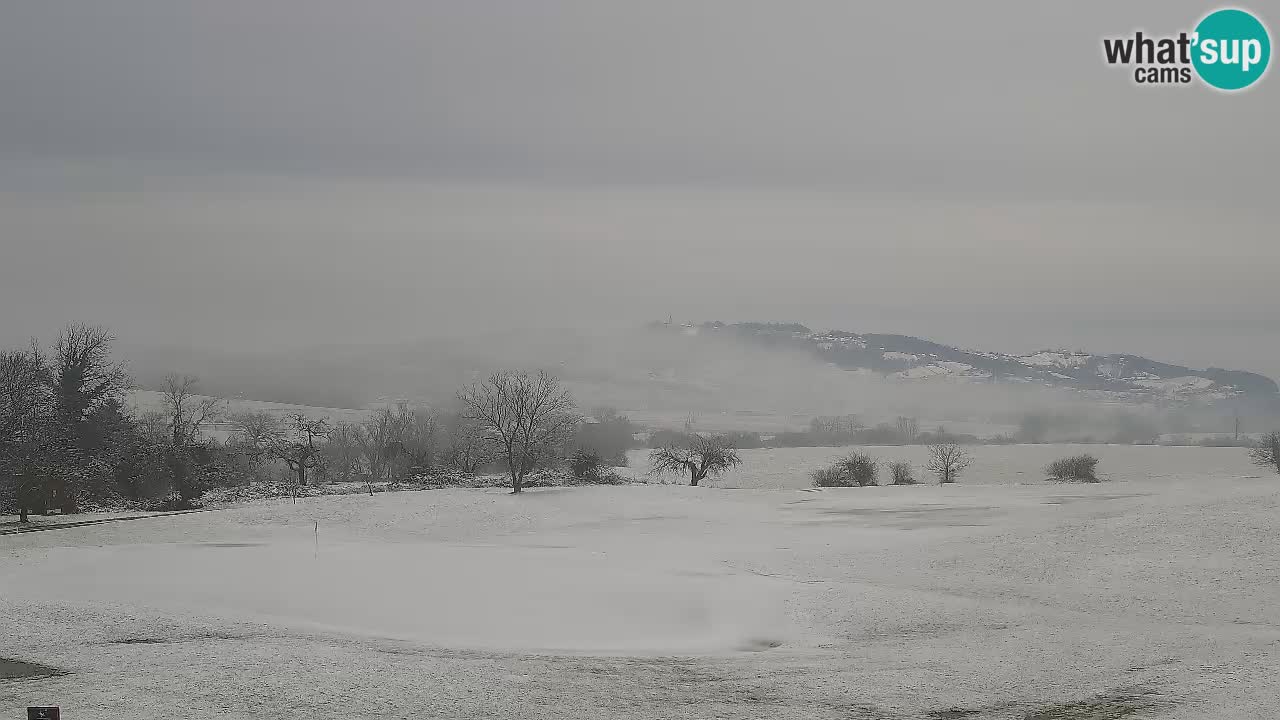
(43,713)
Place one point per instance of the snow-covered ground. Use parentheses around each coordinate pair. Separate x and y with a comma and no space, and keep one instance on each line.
(991,464)
(1156,593)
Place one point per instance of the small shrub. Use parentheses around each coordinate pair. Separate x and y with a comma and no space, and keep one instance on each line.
(856,470)
(611,478)
(585,465)
(901,473)
(550,477)
(829,477)
(1078,468)
(1266,452)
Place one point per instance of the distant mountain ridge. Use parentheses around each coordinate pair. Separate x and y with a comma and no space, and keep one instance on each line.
(1122,377)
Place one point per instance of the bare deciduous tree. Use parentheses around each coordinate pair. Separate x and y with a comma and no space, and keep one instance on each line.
(342,450)
(470,446)
(299,448)
(835,425)
(699,456)
(414,437)
(908,428)
(187,411)
(1267,452)
(255,436)
(947,460)
(84,376)
(377,442)
(525,414)
(901,473)
(153,425)
(25,394)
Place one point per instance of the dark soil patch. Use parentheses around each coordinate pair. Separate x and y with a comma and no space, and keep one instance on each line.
(1070,499)
(759,644)
(928,517)
(153,640)
(952,714)
(1114,704)
(19,669)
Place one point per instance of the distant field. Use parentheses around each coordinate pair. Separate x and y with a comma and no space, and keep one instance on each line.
(768,422)
(144,400)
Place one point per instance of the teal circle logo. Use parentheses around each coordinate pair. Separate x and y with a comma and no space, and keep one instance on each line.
(1231,49)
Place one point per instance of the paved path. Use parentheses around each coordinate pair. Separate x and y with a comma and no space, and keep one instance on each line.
(26,528)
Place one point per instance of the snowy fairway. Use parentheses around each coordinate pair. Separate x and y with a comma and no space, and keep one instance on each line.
(1155,595)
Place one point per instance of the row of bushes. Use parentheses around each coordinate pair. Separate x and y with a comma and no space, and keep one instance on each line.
(861,470)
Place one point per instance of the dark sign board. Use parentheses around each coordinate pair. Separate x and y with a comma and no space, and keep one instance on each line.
(43,713)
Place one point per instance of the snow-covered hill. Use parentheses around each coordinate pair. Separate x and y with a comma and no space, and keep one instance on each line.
(1121,377)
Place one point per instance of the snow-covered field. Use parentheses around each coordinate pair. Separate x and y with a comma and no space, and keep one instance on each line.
(1156,594)
(992,464)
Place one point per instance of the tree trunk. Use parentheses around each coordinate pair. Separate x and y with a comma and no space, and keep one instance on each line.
(24,491)
(696,474)
(178,468)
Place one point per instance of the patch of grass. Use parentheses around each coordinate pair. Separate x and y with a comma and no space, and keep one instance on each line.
(1114,705)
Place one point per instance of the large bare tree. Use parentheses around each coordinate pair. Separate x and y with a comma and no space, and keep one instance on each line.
(342,451)
(186,409)
(84,376)
(699,456)
(947,460)
(411,438)
(255,438)
(301,446)
(187,412)
(527,415)
(377,441)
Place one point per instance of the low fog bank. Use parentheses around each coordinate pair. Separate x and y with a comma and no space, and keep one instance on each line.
(666,379)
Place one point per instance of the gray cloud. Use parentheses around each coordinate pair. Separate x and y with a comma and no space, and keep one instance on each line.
(264,173)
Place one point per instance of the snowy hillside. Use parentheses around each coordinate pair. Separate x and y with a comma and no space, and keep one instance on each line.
(1120,377)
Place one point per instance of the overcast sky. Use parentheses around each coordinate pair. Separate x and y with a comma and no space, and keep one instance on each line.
(257,174)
